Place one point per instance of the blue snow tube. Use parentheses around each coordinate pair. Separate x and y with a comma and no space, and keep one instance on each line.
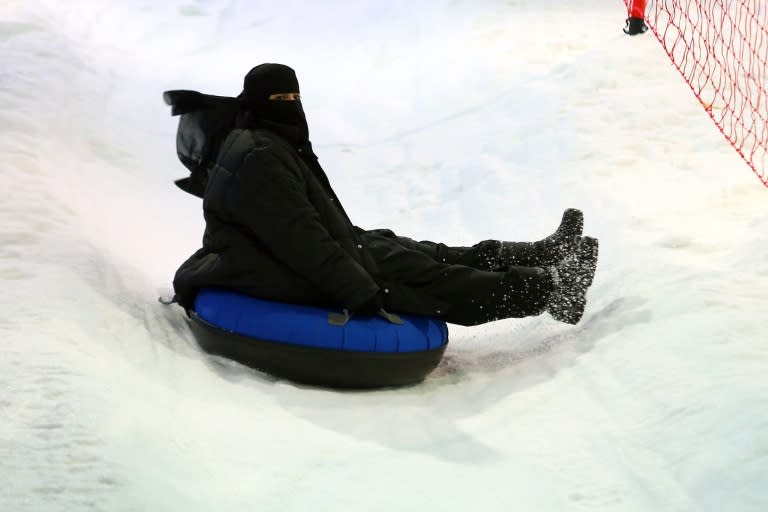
(300,343)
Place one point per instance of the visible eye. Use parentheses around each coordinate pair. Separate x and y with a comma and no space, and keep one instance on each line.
(285,97)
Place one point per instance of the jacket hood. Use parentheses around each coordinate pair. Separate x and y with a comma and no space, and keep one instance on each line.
(205,121)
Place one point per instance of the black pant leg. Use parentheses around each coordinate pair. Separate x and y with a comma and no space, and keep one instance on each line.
(459,294)
(490,255)
(477,297)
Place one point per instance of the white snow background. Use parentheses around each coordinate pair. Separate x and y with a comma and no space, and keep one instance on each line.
(445,120)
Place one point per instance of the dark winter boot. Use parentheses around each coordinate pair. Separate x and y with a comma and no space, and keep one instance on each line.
(563,241)
(571,278)
(635,26)
(550,250)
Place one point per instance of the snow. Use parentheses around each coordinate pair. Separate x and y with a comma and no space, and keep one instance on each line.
(446,120)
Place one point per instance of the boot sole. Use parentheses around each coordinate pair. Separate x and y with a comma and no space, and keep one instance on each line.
(589,250)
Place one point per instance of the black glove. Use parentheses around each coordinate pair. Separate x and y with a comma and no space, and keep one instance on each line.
(370,307)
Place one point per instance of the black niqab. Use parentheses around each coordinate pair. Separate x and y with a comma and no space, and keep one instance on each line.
(263,81)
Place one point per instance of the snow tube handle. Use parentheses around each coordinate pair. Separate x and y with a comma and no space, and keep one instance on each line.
(341,319)
(390,317)
(167,301)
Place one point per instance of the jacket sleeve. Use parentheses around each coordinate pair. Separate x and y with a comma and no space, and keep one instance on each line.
(270,199)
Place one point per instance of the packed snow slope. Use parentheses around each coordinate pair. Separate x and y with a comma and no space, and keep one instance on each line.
(445,120)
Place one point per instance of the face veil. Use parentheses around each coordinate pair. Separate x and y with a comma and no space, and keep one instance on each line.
(267,79)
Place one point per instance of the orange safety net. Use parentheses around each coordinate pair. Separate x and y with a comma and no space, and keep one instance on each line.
(720,48)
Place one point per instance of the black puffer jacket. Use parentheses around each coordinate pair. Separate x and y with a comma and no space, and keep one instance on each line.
(275,229)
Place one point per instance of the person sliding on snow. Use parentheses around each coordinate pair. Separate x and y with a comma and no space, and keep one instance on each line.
(275,229)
